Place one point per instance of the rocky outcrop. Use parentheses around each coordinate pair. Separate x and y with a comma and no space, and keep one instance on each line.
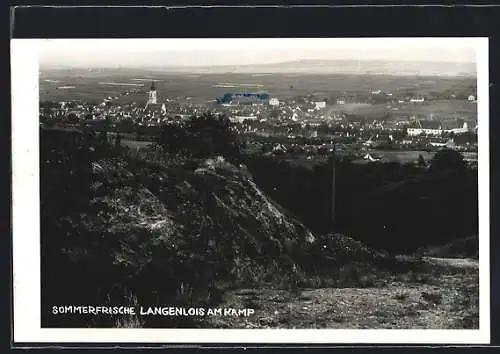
(155,230)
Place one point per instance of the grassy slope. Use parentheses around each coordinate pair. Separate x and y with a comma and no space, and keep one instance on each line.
(445,297)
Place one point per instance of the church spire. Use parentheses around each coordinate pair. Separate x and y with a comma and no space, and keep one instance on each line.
(152,94)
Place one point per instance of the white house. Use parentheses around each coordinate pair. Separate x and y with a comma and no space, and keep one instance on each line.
(320,105)
(456,127)
(279,148)
(427,127)
(449,144)
(274,102)
(241,119)
(432,127)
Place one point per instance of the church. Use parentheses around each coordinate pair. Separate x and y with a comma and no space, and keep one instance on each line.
(152,105)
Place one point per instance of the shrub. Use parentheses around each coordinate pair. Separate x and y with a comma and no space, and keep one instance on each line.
(202,137)
(447,159)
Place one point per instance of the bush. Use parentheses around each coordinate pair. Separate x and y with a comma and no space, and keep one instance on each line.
(447,159)
(202,137)
(390,206)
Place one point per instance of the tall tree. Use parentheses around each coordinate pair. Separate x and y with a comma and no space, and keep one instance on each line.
(202,137)
(448,159)
(421,161)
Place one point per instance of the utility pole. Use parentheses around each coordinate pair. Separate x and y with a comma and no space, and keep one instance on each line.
(334,165)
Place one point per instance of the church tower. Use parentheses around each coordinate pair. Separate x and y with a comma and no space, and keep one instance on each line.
(152,94)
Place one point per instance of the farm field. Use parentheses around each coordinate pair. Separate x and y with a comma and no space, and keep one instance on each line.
(206,87)
(437,108)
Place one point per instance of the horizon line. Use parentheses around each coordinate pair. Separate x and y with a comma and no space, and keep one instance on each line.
(180,66)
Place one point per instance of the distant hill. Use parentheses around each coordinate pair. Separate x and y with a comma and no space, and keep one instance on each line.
(375,67)
(353,67)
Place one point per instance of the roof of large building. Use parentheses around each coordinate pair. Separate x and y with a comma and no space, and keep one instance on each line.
(430,124)
(453,124)
(426,124)
(153,106)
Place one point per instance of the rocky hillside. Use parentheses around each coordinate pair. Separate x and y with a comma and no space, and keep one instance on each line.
(161,233)
(209,213)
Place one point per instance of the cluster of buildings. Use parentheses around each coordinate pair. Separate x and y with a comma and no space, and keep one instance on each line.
(437,128)
(150,112)
(291,118)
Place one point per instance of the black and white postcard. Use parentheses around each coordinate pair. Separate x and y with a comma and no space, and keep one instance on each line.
(312,190)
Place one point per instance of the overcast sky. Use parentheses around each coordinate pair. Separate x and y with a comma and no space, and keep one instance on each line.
(210,52)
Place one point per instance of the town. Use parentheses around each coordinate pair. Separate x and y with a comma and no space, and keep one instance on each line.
(377,126)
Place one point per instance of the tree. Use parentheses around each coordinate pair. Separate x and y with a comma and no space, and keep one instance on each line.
(173,138)
(211,135)
(202,137)
(126,125)
(448,159)
(421,161)
(104,137)
(275,113)
(118,139)
(72,118)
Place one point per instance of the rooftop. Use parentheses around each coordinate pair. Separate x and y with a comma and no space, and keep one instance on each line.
(453,124)
(153,107)
(426,124)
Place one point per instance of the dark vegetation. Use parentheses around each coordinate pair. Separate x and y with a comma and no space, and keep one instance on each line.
(399,208)
(202,137)
(181,225)
(467,247)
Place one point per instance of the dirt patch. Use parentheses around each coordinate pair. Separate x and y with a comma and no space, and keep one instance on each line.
(434,301)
